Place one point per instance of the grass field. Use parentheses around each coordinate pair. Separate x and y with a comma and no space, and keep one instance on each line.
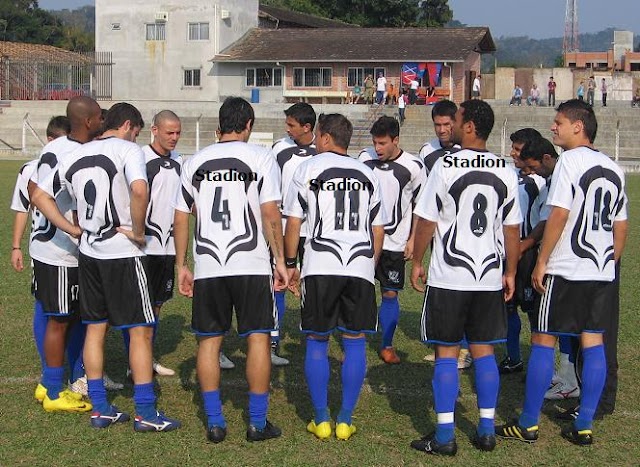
(395,406)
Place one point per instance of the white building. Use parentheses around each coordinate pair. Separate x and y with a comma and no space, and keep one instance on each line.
(163,50)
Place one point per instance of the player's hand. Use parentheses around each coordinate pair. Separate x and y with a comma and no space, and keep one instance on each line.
(16,260)
(280,277)
(418,277)
(139,240)
(76,232)
(294,281)
(508,287)
(408,250)
(185,282)
(537,277)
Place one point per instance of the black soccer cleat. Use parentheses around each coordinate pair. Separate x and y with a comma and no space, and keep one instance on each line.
(507,366)
(216,434)
(484,442)
(568,415)
(513,430)
(429,445)
(578,437)
(268,432)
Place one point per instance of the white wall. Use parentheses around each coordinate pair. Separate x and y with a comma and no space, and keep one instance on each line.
(154,69)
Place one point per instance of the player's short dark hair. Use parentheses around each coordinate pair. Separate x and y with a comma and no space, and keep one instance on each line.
(537,148)
(481,114)
(338,126)
(525,135)
(302,113)
(576,110)
(120,113)
(444,108)
(58,126)
(386,126)
(234,115)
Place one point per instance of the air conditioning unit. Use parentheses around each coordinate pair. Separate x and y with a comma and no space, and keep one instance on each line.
(162,16)
(225,14)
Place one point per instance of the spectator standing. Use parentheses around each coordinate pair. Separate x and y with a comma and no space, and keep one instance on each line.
(580,93)
(368,89)
(402,103)
(551,86)
(413,91)
(475,90)
(381,87)
(591,90)
(603,89)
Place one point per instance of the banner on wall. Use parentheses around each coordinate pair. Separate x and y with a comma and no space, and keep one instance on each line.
(409,72)
(430,73)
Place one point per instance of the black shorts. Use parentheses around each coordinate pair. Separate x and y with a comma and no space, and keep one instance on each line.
(450,315)
(573,307)
(338,302)
(161,277)
(215,298)
(390,270)
(115,291)
(56,287)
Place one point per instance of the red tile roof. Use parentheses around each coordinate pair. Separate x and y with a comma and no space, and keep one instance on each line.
(38,52)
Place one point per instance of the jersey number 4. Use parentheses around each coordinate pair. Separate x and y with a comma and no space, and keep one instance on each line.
(221,215)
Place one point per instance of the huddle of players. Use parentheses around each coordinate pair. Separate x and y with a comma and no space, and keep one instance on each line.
(472,215)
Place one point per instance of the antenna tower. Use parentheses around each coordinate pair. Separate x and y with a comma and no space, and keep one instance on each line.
(570,43)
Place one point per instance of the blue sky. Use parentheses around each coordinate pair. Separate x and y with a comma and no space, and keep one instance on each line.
(537,18)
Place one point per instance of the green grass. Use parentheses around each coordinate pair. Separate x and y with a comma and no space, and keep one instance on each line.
(394,408)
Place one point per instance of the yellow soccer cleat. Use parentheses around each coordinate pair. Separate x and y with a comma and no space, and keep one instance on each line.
(321,430)
(41,392)
(344,431)
(65,403)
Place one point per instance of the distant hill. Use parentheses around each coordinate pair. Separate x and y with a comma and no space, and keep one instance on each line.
(83,18)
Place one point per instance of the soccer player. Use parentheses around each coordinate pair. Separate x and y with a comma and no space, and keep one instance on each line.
(55,266)
(290,152)
(235,188)
(107,178)
(401,176)
(466,208)
(575,270)
(443,115)
(163,173)
(341,201)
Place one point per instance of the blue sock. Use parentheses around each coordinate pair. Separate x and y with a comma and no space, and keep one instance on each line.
(213,409)
(513,336)
(316,371)
(539,374)
(258,406)
(354,369)
(52,380)
(465,343)
(445,392)
(594,374)
(75,344)
(388,316)
(564,343)
(127,340)
(98,395)
(280,307)
(487,388)
(144,398)
(39,330)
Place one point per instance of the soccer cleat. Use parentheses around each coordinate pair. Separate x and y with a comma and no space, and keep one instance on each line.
(216,434)
(508,366)
(162,370)
(389,356)
(513,430)
(322,430)
(80,386)
(158,423)
(579,437)
(484,442)
(277,360)
(561,391)
(344,431)
(111,385)
(65,403)
(430,357)
(268,432)
(225,363)
(568,415)
(41,392)
(104,420)
(464,359)
(429,445)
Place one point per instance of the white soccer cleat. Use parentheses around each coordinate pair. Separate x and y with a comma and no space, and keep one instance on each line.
(464,359)
(561,391)
(277,360)
(225,363)
(80,386)
(162,370)
(111,385)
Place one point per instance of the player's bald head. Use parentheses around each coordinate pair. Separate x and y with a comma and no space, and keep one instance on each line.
(80,108)
(165,116)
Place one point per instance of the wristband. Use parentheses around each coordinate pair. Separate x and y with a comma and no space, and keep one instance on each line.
(16,248)
(291,263)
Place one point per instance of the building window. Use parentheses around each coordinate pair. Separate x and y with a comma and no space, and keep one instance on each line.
(263,77)
(156,32)
(191,78)
(357,75)
(312,77)
(198,31)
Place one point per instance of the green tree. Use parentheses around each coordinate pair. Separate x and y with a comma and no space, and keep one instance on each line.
(26,22)
(435,12)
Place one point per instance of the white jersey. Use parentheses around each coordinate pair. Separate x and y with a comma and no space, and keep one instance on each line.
(532,190)
(228,182)
(592,187)
(432,150)
(341,199)
(163,174)
(20,202)
(469,205)
(98,175)
(400,182)
(49,244)
(289,156)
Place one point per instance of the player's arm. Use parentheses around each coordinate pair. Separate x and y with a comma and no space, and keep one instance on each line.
(272,229)
(533,238)
(291,241)
(423,234)
(48,207)
(181,241)
(139,201)
(552,231)
(19,226)
(512,249)
(620,229)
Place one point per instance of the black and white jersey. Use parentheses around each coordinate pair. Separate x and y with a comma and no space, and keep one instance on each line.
(341,199)
(228,182)
(469,205)
(400,183)
(532,190)
(432,150)
(20,202)
(163,174)
(98,175)
(592,187)
(49,244)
